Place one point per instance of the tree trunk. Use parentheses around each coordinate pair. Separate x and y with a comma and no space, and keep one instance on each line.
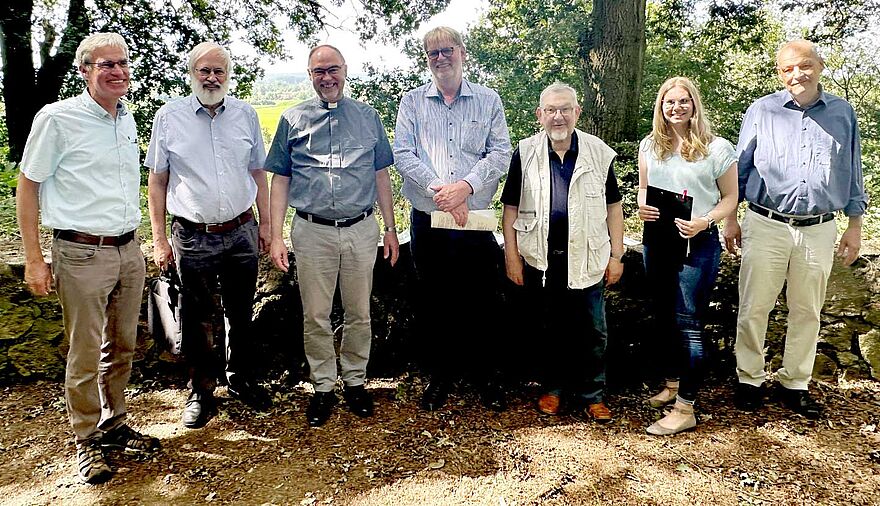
(26,90)
(613,65)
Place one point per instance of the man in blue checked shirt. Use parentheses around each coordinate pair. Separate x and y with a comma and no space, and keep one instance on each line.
(799,163)
(206,156)
(451,146)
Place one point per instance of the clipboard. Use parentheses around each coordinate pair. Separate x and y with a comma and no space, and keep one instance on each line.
(662,234)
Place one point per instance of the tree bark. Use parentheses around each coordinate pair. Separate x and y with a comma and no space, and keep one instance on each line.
(613,66)
(26,90)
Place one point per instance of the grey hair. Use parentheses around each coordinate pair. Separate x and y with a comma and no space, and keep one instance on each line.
(441,33)
(96,41)
(207,47)
(559,87)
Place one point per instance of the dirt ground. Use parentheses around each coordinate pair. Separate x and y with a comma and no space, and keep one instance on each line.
(459,455)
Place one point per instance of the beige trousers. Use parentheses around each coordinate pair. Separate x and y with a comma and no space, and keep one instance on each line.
(326,255)
(773,253)
(100,289)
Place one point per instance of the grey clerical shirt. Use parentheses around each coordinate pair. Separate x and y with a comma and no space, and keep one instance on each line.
(801,161)
(331,155)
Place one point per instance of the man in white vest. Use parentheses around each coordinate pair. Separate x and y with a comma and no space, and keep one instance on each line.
(563,242)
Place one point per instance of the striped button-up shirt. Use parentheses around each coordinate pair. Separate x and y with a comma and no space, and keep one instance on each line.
(210,158)
(88,167)
(801,161)
(436,144)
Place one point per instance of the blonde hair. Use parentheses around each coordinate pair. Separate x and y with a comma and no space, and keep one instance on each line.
(442,33)
(695,146)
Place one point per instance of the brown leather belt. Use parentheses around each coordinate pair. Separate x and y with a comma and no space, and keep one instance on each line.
(218,228)
(791,220)
(93,240)
(334,223)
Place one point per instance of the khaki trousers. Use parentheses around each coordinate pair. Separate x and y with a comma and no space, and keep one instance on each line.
(325,255)
(100,289)
(773,253)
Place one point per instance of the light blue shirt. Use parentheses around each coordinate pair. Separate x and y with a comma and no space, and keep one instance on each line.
(436,144)
(210,158)
(88,167)
(802,162)
(699,178)
(331,153)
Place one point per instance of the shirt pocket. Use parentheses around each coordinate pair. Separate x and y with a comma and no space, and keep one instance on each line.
(473,137)
(359,152)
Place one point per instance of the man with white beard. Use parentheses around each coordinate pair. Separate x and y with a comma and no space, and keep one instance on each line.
(563,241)
(206,157)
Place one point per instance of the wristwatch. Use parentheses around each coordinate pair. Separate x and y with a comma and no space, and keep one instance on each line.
(708,217)
(391,229)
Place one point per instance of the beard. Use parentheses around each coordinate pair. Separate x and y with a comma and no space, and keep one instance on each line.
(558,135)
(207,96)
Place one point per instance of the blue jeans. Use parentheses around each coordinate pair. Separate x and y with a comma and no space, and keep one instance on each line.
(680,299)
(571,327)
(203,259)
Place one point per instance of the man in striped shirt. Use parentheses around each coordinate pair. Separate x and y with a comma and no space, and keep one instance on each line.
(451,146)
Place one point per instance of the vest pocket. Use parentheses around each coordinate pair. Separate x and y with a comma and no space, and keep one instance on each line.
(527,237)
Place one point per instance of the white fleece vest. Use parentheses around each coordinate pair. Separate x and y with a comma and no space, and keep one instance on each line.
(589,245)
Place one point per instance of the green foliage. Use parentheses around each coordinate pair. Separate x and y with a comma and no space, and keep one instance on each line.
(520,47)
(729,55)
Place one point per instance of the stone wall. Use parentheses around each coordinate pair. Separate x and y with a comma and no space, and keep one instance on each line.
(32,344)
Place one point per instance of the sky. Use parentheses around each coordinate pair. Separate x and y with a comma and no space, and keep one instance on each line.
(459,14)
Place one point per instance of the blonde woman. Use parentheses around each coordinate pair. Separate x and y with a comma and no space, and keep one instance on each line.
(681,154)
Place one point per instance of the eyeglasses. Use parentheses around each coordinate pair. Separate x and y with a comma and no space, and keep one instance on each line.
(682,102)
(319,72)
(108,65)
(445,51)
(205,72)
(565,111)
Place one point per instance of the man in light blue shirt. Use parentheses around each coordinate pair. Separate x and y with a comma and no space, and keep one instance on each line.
(80,169)
(206,156)
(799,163)
(451,145)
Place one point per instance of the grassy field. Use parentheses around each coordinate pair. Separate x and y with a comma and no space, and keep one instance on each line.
(269,114)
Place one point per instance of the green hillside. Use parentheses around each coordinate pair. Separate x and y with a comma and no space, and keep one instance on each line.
(269,114)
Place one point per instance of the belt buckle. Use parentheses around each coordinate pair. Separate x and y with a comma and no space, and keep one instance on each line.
(793,222)
(339,223)
(208,227)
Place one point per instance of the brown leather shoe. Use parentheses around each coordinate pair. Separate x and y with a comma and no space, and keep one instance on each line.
(600,412)
(549,404)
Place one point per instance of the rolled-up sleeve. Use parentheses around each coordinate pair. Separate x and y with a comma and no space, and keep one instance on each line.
(745,147)
(858,199)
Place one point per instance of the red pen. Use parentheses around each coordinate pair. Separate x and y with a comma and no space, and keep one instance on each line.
(684,193)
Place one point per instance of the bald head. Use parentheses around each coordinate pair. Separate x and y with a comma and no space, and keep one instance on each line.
(799,68)
(325,48)
(799,47)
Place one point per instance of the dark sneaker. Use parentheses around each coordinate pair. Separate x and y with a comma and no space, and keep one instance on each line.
(320,408)
(748,397)
(199,409)
(124,437)
(492,397)
(251,394)
(800,401)
(93,467)
(435,396)
(359,401)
